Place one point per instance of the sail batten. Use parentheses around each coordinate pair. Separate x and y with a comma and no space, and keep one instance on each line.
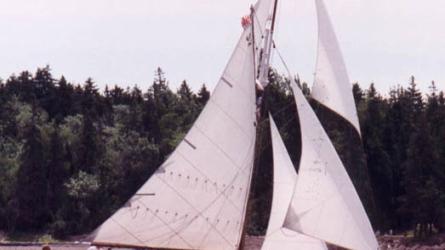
(325,204)
(332,86)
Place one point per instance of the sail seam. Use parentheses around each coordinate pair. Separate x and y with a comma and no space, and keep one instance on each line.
(199,213)
(167,225)
(231,118)
(219,148)
(210,229)
(223,192)
(126,230)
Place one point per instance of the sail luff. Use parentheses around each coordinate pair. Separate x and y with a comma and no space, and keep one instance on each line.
(332,86)
(325,204)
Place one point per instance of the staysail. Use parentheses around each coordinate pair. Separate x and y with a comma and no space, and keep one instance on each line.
(197,198)
(325,204)
(284,180)
(332,87)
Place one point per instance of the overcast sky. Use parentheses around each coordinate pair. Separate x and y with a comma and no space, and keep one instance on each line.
(123,41)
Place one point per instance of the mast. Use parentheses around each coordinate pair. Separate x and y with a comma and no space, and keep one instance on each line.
(274,16)
(266,51)
(261,78)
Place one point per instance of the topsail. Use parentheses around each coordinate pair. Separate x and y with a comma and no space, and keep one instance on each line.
(332,87)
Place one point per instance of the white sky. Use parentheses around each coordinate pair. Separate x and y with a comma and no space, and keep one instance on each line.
(123,41)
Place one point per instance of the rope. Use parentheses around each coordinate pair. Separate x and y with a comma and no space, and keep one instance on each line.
(282,60)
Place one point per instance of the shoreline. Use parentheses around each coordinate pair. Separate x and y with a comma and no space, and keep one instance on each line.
(252,243)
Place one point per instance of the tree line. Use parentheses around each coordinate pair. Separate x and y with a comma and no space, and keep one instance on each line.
(70,155)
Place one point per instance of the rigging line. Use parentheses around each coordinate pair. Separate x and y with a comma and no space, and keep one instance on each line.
(207,178)
(213,202)
(156,227)
(180,228)
(230,117)
(252,32)
(270,142)
(281,110)
(218,147)
(167,225)
(158,236)
(210,228)
(199,213)
(128,231)
(259,23)
(282,60)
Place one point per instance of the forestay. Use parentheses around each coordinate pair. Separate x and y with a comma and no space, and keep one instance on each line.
(325,204)
(332,87)
(197,198)
(284,180)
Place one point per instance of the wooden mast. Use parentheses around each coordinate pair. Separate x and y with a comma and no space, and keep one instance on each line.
(261,118)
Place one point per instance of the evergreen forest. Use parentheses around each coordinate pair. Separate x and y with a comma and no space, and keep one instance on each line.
(72,154)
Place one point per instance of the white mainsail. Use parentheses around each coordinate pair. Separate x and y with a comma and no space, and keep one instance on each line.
(332,87)
(197,198)
(284,180)
(325,204)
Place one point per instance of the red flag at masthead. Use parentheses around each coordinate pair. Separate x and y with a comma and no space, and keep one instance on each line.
(246,21)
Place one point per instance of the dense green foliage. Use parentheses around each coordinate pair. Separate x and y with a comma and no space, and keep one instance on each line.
(71,155)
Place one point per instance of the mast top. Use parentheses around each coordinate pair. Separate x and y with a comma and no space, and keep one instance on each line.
(274,16)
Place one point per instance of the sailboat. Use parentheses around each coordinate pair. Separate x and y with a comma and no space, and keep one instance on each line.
(197,199)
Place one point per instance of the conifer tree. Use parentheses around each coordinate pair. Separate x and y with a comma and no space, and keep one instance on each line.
(422,202)
(88,150)
(57,170)
(186,107)
(377,158)
(203,95)
(31,189)
(64,104)
(357,92)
